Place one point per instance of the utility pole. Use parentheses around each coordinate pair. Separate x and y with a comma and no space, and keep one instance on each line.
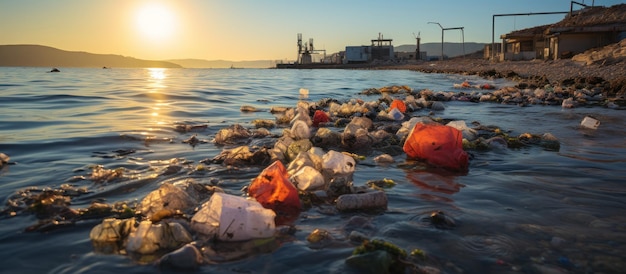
(444,29)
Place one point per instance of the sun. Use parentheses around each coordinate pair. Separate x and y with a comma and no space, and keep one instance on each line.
(155,21)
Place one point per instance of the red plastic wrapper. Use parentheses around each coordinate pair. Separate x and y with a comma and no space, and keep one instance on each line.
(320,117)
(273,190)
(439,145)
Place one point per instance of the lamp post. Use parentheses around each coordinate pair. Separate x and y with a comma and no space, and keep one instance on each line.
(441,37)
(444,29)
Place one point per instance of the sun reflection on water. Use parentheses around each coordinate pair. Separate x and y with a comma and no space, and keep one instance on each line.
(157,89)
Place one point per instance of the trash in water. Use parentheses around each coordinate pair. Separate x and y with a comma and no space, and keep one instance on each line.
(439,145)
(589,122)
(304,93)
(233,218)
(272,189)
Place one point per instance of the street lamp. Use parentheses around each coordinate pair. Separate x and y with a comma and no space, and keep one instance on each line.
(444,29)
(441,37)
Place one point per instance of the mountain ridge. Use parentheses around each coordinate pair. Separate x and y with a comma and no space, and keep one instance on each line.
(29,55)
(26,55)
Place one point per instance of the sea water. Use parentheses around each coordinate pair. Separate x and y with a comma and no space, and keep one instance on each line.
(524,210)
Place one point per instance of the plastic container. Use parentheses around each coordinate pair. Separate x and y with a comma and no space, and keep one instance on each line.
(233,218)
(338,163)
(308,179)
(589,122)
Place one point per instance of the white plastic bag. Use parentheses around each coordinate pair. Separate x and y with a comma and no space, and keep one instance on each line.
(233,218)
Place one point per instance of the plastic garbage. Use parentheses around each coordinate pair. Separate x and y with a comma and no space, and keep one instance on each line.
(395,114)
(589,122)
(336,164)
(302,114)
(355,137)
(439,145)
(398,104)
(149,237)
(307,158)
(300,130)
(468,133)
(273,190)
(368,200)
(304,93)
(233,218)
(308,179)
(320,117)
(167,196)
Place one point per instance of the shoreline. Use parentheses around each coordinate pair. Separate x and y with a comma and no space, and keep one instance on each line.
(528,74)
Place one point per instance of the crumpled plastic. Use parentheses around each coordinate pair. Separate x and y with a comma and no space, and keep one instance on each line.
(272,189)
(439,145)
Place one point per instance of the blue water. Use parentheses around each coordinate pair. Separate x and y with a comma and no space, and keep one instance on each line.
(526,210)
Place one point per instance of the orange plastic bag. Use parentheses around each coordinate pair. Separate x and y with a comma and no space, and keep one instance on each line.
(399,104)
(273,190)
(439,145)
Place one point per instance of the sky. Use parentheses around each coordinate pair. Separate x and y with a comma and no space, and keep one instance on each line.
(245,30)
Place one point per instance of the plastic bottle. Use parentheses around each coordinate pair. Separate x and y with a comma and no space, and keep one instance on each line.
(368,200)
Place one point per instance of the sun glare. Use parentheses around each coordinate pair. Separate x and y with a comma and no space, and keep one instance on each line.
(155,21)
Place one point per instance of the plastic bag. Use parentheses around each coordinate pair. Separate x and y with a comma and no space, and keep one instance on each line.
(273,190)
(439,145)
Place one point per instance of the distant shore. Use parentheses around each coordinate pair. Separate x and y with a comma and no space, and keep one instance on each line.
(535,73)
(529,74)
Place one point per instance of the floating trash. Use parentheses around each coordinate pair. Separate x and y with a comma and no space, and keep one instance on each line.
(589,122)
(233,218)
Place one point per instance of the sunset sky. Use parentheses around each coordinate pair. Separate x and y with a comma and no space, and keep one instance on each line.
(240,30)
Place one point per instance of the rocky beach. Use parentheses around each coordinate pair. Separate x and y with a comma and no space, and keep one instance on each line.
(604,67)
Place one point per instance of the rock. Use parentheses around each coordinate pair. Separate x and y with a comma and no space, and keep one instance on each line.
(437,106)
(263,123)
(374,262)
(384,159)
(324,137)
(4,159)
(441,220)
(232,134)
(109,236)
(298,147)
(186,257)
(320,238)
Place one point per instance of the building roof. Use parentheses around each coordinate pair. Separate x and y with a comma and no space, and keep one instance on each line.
(529,32)
(594,16)
(613,17)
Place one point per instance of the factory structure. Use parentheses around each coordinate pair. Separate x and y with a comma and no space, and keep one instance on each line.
(380,50)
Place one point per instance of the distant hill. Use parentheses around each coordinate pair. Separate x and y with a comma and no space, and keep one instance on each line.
(43,56)
(199,63)
(449,49)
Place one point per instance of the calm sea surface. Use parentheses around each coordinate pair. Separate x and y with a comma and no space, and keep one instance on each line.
(525,210)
